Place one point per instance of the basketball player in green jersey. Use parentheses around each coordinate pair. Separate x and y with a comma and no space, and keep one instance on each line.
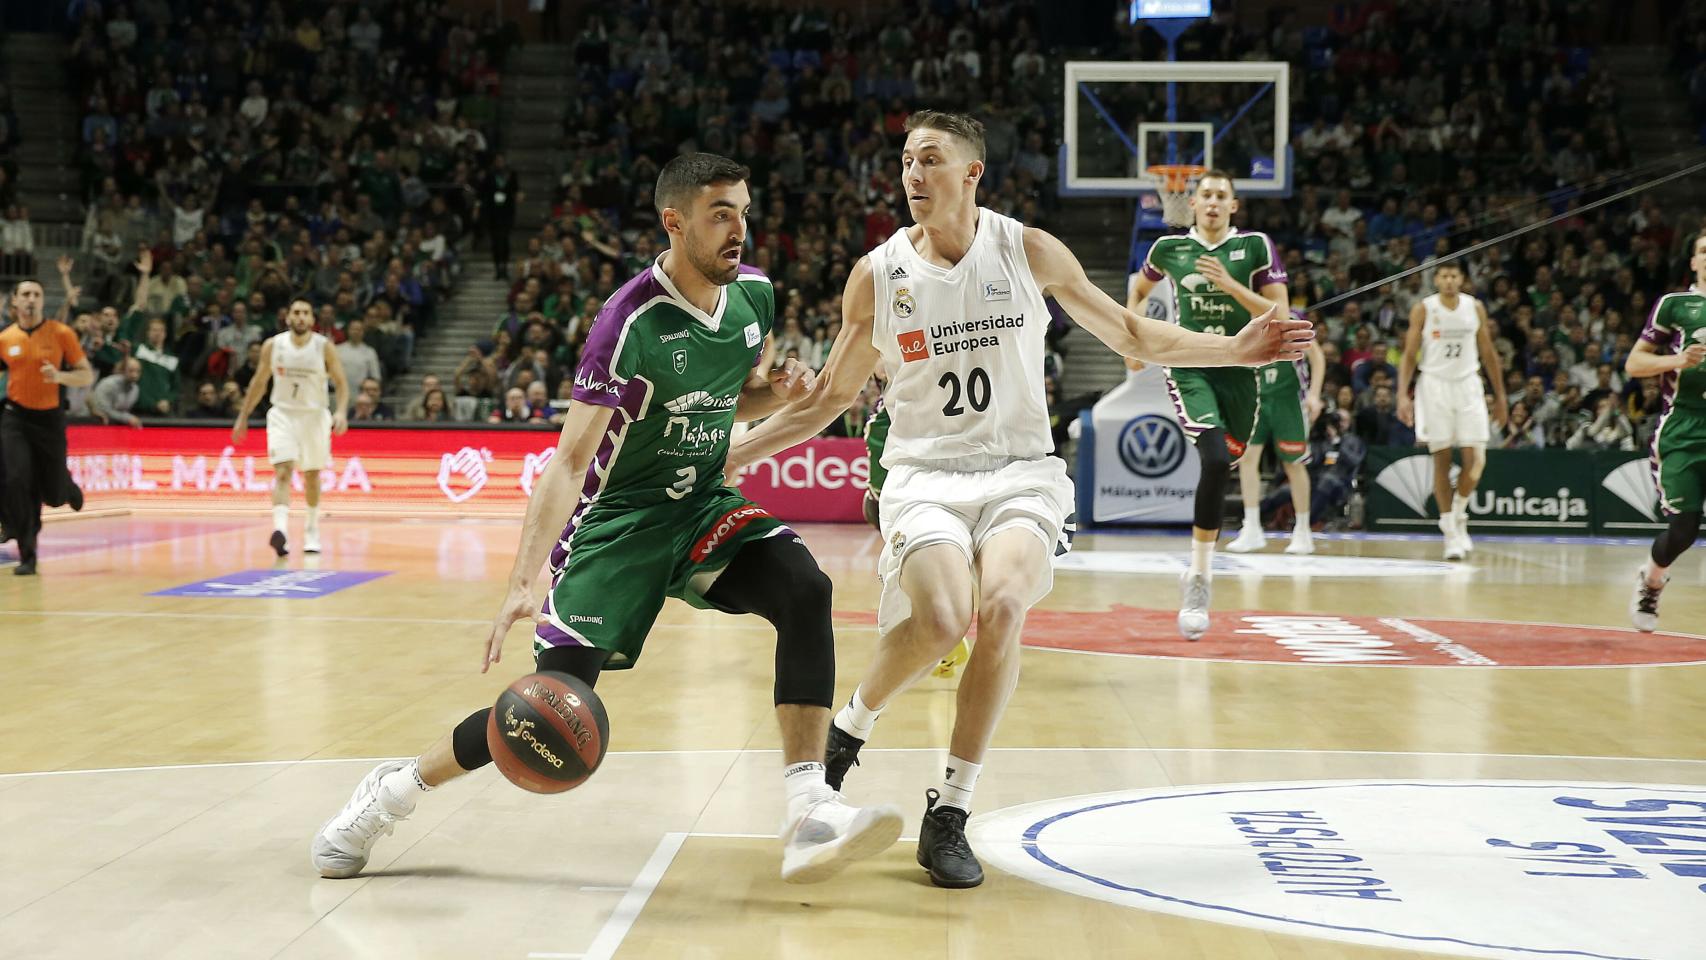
(1221,278)
(1290,402)
(1673,347)
(632,509)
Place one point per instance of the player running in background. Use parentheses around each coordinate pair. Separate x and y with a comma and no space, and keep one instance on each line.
(1221,278)
(1673,348)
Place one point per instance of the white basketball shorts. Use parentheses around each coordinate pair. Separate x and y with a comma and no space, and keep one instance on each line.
(303,437)
(1451,413)
(921,506)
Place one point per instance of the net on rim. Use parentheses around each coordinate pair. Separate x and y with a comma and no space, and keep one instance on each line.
(1174,189)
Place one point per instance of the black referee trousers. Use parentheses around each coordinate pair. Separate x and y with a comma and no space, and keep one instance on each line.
(32,460)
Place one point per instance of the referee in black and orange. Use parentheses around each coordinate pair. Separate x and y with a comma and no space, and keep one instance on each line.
(37,353)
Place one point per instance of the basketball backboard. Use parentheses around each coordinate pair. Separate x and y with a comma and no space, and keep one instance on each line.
(1123,117)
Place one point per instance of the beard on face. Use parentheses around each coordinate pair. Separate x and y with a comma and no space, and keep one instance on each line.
(711,265)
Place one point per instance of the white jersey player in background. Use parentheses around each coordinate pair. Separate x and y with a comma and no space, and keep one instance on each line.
(973,504)
(298,362)
(1450,334)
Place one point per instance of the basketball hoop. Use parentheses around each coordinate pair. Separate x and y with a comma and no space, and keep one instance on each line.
(1174,189)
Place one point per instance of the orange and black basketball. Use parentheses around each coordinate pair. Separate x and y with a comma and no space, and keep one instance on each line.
(547,732)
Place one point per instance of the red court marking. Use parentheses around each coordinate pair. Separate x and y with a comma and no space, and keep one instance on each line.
(1329,639)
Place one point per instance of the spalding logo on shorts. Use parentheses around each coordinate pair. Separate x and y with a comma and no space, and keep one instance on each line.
(1152,445)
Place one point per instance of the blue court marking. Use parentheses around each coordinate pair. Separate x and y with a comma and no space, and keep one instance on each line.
(1126,530)
(1030,842)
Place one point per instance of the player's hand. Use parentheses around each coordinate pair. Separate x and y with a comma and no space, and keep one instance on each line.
(517,606)
(340,424)
(1501,414)
(239,431)
(1693,356)
(794,381)
(1215,271)
(1274,335)
(1312,407)
(1406,412)
(50,373)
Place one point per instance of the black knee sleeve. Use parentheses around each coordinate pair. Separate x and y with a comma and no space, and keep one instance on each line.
(1216,461)
(1684,528)
(468,740)
(778,580)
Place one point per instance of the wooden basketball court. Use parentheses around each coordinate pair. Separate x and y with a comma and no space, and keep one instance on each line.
(168,758)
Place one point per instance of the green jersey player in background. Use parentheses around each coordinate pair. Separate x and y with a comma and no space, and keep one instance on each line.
(1290,402)
(1673,347)
(632,508)
(1220,278)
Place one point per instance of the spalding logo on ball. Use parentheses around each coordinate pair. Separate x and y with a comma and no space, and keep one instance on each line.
(548,732)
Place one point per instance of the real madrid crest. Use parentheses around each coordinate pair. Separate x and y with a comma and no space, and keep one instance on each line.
(898,543)
(903,303)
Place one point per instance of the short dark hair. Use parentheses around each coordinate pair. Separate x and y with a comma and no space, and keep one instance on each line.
(684,176)
(1219,174)
(967,128)
(295,300)
(1458,265)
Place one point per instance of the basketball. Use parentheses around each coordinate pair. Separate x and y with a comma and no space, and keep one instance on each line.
(548,732)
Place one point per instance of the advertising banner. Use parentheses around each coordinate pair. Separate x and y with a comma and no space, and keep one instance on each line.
(1610,493)
(409,471)
(1135,463)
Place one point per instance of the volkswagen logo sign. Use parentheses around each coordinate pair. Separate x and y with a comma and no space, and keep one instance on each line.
(1152,446)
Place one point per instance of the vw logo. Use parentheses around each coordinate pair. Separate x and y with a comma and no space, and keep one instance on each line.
(1152,446)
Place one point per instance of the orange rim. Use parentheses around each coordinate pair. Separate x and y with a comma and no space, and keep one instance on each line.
(1176,177)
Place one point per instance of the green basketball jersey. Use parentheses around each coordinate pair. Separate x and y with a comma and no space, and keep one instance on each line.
(674,374)
(1677,321)
(1198,304)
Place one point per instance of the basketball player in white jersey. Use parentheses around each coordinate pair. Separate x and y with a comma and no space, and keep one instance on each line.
(299,427)
(1450,334)
(973,504)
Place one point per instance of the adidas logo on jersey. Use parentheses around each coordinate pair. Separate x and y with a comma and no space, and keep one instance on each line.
(898,274)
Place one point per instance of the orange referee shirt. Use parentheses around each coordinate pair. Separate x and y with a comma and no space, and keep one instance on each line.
(24,352)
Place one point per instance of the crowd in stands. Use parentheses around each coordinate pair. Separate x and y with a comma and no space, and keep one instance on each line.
(1688,62)
(250,157)
(1416,139)
(814,102)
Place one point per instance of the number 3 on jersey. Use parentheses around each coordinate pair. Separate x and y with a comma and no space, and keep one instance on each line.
(976,391)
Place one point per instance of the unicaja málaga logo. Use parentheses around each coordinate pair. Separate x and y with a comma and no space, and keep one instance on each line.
(1152,446)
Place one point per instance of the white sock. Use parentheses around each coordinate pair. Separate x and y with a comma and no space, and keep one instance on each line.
(281,518)
(1252,518)
(313,518)
(958,783)
(399,789)
(1448,523)
(856,718)
(1651,571)
(1301,531)
(804,786)
(1460,506)
(1202,557)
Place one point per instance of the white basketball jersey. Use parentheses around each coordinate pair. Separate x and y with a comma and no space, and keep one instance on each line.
(1450,348)
(299,373)
(964,346)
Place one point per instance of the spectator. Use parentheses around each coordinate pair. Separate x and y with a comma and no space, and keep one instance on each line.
(380,410)
(17,243)
(115,396)
(433,408)
(361,362)
(417,409)
(1521,431)
(1608,430)
(1378,425)
(515,408)
(158,380)
(209,405)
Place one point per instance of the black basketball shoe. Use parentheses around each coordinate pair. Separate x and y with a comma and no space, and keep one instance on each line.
(277,543)
(942,846)
(839,756)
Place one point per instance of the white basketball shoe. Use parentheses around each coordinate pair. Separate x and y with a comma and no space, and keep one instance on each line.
(1644,605)
(1193,605)
(341,847)
(831,834)
(1249,540)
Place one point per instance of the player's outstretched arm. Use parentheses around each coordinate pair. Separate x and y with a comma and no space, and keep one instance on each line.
(1407,364)
(851,361)
(1646,360)
(1273,336)
(340,390)
(252,396)
(555,495)
(1495,367)
(767,390)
